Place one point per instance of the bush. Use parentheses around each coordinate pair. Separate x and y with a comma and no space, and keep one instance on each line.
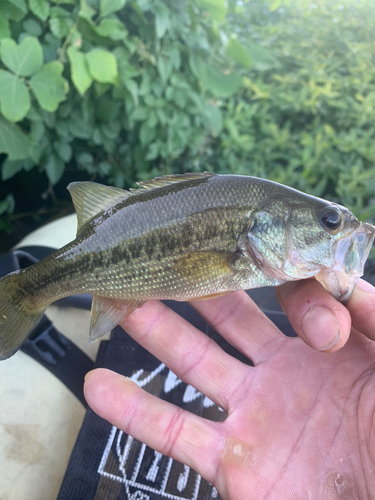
(106,86)
(308,119)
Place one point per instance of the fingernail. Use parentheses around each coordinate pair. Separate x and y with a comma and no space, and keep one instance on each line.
(365,286)
(321,328)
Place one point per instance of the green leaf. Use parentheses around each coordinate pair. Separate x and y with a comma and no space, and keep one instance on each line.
(13,141)
(104,168)
(85,159)
(162,19)
(261,57)
(111,28)
(79,127)
(60,22)
(153,151)
(97,138)
(125,69)
(103,66)
(7,205)
(54,168)
(14,97)
(23,59)
(111,130)
(132,87)
(216,8)
(214,119)
(222,84)
(165,68)
(32,27)
(101,88)
(4,28)
(86,11)
(197,65)
(51,46)
(20,4)
(11,168)
(10,11)
(33,115)
(140,114)
(60,12)
(107,109)
(146,134)
(49,86)
(37,132)
(64,150)
(219,83)
(65,110)
(275,5)
(237,52)
(109,6)
(80,73)
(49,119)
(40,8)
(62,129)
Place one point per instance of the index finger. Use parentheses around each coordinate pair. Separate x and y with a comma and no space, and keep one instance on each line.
(362,308)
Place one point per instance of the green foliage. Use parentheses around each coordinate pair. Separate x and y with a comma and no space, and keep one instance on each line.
(46,82)
(305,116)
(110,87)
(126,90)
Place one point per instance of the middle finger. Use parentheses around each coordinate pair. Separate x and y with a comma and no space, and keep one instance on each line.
(240,321)
(189,353)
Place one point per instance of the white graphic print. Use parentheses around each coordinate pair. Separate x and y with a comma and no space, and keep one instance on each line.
(154,469)
(146,472)
(182,480)
(191,394)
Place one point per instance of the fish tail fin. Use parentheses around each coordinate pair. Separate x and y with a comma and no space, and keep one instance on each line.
(18,316)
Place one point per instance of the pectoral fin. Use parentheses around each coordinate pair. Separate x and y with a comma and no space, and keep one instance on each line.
(206,265)
(107,313)
(211,296)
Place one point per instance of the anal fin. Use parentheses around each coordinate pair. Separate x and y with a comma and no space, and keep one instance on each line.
(107,313)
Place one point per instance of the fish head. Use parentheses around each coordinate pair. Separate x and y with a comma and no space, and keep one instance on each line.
(311,237)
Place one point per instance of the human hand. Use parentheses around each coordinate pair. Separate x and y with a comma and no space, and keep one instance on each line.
(300,422)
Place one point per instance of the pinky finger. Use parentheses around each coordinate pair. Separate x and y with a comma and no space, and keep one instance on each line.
(164,427)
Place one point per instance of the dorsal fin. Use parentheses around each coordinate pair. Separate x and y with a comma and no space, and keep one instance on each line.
(89,198)
(167,180)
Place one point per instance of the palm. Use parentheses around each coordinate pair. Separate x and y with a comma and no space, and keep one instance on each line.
(300,422)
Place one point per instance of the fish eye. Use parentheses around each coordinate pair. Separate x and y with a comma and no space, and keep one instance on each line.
(330,219)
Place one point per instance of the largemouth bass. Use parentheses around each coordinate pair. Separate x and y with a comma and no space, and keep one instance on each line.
(185,237)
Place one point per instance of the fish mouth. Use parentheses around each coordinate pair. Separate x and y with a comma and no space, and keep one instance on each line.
(350,257)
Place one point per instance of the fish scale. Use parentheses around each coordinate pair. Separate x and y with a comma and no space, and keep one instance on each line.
(185,237)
